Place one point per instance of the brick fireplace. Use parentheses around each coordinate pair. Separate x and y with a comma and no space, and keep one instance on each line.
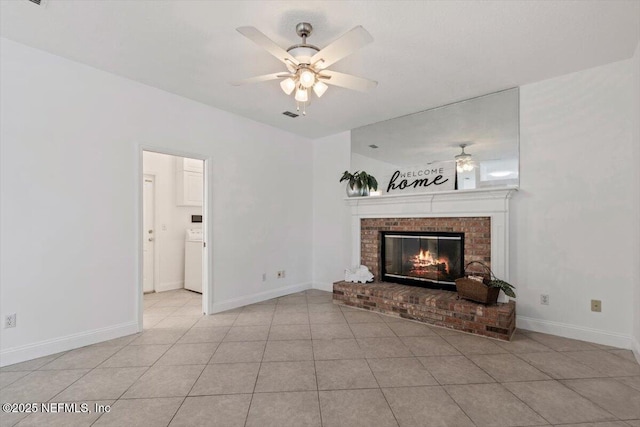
(482,216)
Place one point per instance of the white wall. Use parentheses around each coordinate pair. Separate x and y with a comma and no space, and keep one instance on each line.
(574,224)
(171,221)
(70,165)
(636,156)
(331,215)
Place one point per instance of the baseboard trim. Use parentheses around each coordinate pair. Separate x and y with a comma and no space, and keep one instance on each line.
(575,332)
(69,342)
(636,349)
(323,286)
(259,297)
(169,286)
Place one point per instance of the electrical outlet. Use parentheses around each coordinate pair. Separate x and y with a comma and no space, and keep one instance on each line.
(264,277)
(10,321)
(596,305)
(544,299)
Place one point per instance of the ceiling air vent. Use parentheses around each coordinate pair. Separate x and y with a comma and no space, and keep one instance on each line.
(290,114)
(38,2)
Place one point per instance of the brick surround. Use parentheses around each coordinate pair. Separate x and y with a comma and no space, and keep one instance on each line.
(477,235)
(435,307)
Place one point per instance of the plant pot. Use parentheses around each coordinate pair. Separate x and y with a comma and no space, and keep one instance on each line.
(356,191)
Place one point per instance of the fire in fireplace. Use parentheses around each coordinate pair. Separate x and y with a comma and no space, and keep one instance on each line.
(426,259)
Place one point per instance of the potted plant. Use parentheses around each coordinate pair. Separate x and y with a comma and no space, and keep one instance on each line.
(359,183)
(482,287)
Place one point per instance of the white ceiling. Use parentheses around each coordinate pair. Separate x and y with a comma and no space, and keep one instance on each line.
(424,54)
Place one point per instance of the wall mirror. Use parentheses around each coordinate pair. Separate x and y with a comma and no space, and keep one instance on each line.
(487,126)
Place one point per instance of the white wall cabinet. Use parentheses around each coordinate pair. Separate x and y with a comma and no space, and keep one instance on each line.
(189,182)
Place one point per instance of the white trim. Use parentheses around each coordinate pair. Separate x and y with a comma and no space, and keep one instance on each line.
(69,342)
(597,336)
(169,286)
(259,297)
(635,348)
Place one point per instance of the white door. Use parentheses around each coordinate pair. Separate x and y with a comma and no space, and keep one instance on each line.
(148,237)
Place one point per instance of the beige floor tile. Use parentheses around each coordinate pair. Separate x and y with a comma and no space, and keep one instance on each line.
(248,333)
(101,384)
(292,308)
(171,302)
(67,419)
(31,365)
(287,376)
(557,403)
(606,363)
(355,408)
(226,378)
(160,310)
(40,386)
(455,370)
(560,343)
(82,358)
(344,374)
(201,335)
(293,299)
(469,344)
(383,347)
(507,367)
(363,317)
(432,406)
(216,320)
(371,330)
(10,419)
(289,409)
(625,354)
(165,381)
(149,321)
(159,336)
(399,372)
(188,354)
(611,395)
(493,405)
(323,308)
(176,322)
(634,423)
(281,351)
(237,352)
(136,355)
(630,381)
(429,346)
(206,411)
(559,365)
(319,299)
(411,329)
(253,319)
(9,377)
(258,308)
(120,342)
(521,343)
(290,318)
(289,332)
(326,317)
(331,331)
(140,413)
(189,311)
(337,349)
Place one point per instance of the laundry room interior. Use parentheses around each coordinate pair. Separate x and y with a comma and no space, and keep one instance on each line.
(172,231)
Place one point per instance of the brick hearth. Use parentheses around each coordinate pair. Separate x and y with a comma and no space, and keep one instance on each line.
(477,235)
(435,307)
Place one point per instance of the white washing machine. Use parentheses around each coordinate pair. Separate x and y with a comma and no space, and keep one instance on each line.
(193,260)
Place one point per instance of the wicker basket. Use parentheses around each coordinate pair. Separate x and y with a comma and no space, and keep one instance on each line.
(475,290)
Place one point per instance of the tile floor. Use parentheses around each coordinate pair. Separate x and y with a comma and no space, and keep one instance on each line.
(300,361)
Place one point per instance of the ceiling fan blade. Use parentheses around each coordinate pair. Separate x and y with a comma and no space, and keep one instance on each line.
(347,81)
(258,79)
(266,43)
(345,45)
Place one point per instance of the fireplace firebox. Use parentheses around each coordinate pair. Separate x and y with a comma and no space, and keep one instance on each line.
(425,259)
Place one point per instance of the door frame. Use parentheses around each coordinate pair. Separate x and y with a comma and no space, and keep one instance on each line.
(156,258)
(207,252)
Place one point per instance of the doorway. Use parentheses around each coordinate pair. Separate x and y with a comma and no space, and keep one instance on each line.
(174,283)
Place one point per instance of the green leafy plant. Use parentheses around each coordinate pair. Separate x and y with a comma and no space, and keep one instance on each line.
(494,282)
(360,179)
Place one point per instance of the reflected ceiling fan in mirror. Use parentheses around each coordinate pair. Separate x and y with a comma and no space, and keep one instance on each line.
(307,64)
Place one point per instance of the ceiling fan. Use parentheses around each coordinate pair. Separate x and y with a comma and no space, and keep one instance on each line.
(307,64)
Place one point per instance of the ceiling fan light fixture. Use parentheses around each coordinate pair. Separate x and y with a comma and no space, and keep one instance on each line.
(302,95)
(464,162)
(288,85)
(307,78)
(320,88)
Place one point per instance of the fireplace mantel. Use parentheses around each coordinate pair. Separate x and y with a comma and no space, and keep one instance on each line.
(492,203)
